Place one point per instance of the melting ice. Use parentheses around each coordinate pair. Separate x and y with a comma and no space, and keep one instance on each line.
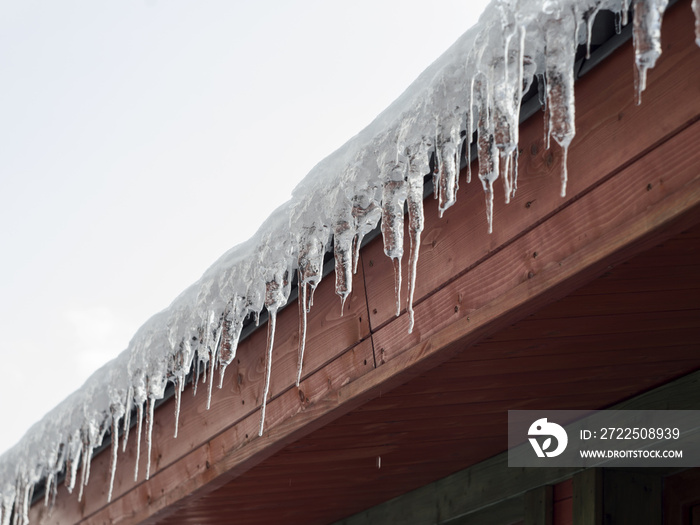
(475,88)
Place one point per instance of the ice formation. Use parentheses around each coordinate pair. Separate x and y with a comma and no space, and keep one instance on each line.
(474,88)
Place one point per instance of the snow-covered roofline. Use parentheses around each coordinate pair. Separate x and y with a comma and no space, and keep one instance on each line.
(474,87)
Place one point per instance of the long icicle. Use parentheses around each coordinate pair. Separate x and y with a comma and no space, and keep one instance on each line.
(417,168)
(393,198)
(303,291)
(149,434)
(559,64)
(115,449)
(646,33)
(487,150)
(127,416)
(178,403)
(271,325)
(139,427)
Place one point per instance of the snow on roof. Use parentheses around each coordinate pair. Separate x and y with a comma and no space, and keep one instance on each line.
(475,86)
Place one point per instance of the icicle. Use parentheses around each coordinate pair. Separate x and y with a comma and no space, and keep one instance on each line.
(211,381)
(506,110)
(90,439)
(205,362)
(624,12)
(84,471)
(303,291)
(47,492)
(115,448)
(447,155)
(195,377)
(16,502)
(277,288)
(139,426)
(559,64)
(73,463)
(227,351)
(6,510)
(310,272)
(366,214)
(505,87)
(178,402)
(486,147)
(696,10)
(127,416)
(231,333)
(470,128)
(54,464)
(212,343)
(22,502)
(646,33)
(447,166)
(590,20)
(474,106)
(542,96)
(271,325)
(418,166)
(149,434)
(393,172)
(343,236)
(393,198)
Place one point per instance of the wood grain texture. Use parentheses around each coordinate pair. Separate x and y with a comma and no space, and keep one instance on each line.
(588,497)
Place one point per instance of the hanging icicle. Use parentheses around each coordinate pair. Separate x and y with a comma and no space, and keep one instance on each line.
(560,42)
(418,167)
(646,33)
(393,171)
(312,247)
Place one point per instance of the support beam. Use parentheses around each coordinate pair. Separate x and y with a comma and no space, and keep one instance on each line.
(632,498)
(539,506)
(588,497)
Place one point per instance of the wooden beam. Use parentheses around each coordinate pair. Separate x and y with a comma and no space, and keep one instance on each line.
(539,506)
(632,498)
(588,497)
(681,498)
(507,511)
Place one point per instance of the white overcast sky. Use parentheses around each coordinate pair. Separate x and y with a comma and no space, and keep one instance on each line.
(141,139)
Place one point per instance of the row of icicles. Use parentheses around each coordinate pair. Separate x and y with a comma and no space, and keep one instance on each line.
(489,104)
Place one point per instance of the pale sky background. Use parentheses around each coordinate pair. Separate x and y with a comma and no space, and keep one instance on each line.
(141,139)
